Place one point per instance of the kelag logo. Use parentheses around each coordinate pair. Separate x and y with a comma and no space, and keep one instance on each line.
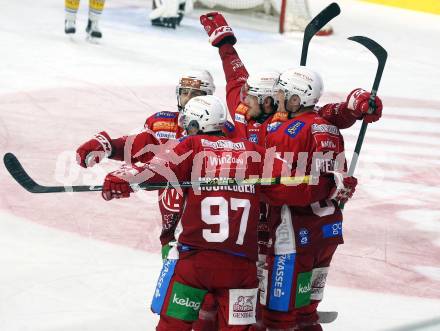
(185,302)
(303,289)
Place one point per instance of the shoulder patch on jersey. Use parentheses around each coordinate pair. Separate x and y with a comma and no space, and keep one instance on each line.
(241,109)
(272,127)
(240,114)
(182,138)
(240,119)
(229,126)
(325,128)
(165,114)
(294,128)
(280,116)
(164,125)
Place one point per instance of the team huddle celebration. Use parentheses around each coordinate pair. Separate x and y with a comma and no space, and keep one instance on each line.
(251,191)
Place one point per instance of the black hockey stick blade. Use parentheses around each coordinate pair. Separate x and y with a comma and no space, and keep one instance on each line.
(380,53)
(316,24)
(16,170)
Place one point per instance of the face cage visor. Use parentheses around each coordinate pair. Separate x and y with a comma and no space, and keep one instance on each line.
(188,91)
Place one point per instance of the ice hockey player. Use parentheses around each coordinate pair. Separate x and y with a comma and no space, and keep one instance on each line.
(304,238)
(163,125)
(249,97)
(160,129)
(251,100)
(95,10)
(169,13)
(217,233)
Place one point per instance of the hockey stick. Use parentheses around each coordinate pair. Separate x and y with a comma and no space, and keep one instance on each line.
(381,54)
(325,317)
(17,171)
(316,24)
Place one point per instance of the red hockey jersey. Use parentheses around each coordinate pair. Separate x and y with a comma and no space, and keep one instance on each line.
(224,217)
(246,127)
(314,146)
(160,133)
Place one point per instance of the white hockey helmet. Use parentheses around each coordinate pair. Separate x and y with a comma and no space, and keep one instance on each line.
(198,80)
(303,82)
(208,111)
(262,84)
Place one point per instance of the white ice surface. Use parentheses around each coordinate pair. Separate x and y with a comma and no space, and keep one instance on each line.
(75,262)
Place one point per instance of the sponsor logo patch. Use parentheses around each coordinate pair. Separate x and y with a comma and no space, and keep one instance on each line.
(164,126)
(165,114)
(325,128)
(281,284)
(240,119)
(162,285)
(229,126)
(165,135)
(241,109)
(190,82)
(185,302)
(332,230)
(272,127)
(242,305)
(319,278)
(280,116)
(294,128)
(225,158)
(303,289)
(304,238)
(223,144)
(328,144)
(171,200)
(253,138)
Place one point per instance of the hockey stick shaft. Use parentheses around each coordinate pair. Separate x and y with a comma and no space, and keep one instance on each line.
(20,175)
(316,24)
(381,54)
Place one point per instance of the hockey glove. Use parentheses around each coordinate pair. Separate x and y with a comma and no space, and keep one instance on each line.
(94,150)
(358,103)
(218,30)
(117,183)
(344,187)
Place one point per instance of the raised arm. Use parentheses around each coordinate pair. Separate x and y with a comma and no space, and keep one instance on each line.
(221,36)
